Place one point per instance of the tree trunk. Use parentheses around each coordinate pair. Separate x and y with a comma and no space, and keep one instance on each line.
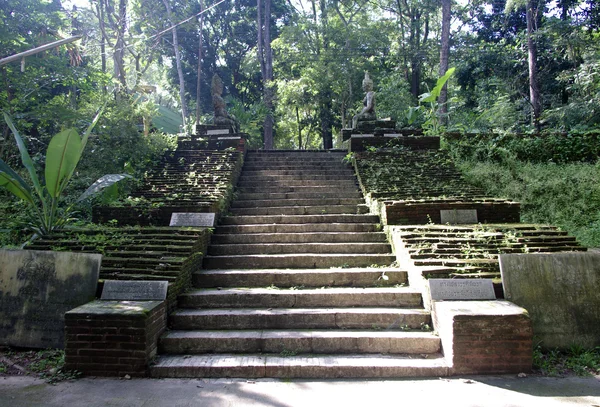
(265,54)
(444,55)
(299,128)
(199,72)
(534,90)
(119,50)
(184,112)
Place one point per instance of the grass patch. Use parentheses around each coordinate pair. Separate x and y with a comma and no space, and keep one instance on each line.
(564,195)
(576,360)
(47,364)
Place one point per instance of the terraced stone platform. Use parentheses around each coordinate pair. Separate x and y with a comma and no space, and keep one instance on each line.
(410,187)
(184,181)
(299,282)
(471,251)
(132,253)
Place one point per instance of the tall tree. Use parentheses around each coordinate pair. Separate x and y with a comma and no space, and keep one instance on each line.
(533,8)
(444,56)
(184,111)
(199,69)
(265,57)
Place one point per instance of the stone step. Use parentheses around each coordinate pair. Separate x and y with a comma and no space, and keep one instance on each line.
(304,172)
(300,298)
(258,261)
(339,183)
(296,202)
(298,219)
(261,196)
(299,342)
(294,166)
(266,189)
(300,318)
(298,228)
(301,210)
(305,366)
(296,248)
(324,237)
(297,177)
(285,278)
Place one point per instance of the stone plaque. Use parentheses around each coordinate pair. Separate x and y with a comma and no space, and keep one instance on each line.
(459,289)
(37,288)
(560,292)
(192,219)
(216,132)
(116,290)
(458,216)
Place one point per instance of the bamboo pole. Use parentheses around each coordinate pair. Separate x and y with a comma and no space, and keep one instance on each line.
(36,50)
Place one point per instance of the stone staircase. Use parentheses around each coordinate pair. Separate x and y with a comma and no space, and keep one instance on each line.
(298,282)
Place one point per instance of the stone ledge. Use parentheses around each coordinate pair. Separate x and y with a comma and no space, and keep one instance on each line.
(484,337)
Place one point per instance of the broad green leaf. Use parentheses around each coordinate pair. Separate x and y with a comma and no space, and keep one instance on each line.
(101,183)
(86,134)
(62,156)
(16,187)
(25,158)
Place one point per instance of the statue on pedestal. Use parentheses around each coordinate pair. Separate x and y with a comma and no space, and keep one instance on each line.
(368,111)
(220,115)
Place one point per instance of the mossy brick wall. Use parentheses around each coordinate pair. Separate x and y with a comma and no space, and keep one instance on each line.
(123,247)
(411,175)
(184,181)
(358,144)
(113,338)
(484,337)
(415,213)
(144,216)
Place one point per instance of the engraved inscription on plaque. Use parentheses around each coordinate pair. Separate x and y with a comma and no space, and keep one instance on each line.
(453,289)
(118,290)
(216,132)
(458,216)
(192,219)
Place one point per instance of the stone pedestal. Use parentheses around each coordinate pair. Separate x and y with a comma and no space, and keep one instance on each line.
(114,338)
(484,337)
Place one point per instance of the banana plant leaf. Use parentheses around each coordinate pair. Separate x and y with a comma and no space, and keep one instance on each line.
(62,156)
(25,158)
(101,183)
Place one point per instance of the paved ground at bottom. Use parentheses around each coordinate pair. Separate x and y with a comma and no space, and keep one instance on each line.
(487,391)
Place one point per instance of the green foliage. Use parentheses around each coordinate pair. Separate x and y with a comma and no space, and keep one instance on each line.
(558,148)
(577,360)
(565,195)
(63,155)
(428,104)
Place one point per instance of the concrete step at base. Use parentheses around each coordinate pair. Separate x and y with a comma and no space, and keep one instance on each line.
(304,172)
(247,177)
(300,318)
(299,342)
(271,183)
(301,210)
(313,367)
(300,189)
(300,298)
(287,219)
(322,237)
(297,248)
(284,278)
(262,261)
(262,196)
(299,228)
(296,202)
